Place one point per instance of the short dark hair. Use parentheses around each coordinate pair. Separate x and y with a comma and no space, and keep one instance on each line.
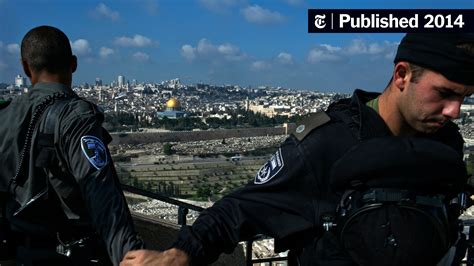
(46,48)
(416,72)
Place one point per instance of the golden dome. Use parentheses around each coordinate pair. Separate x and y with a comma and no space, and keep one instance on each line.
(173,103)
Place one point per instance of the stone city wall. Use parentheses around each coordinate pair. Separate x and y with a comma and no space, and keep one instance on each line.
(184,136)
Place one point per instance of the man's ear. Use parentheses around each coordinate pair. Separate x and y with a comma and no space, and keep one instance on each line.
(401,75)
(26,68)
(73,64)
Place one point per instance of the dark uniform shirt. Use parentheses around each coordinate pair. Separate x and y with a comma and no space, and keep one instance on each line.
(79,189)
(291,191)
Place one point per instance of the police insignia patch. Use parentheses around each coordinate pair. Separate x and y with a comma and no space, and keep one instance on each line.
(270,169)
(94,150)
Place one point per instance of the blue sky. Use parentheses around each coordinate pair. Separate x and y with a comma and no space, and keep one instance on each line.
(238,42)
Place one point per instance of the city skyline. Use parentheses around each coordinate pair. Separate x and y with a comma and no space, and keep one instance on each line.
(219,42)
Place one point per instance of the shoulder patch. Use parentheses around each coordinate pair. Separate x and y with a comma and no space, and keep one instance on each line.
(270,169)
(94,150)
(307,125)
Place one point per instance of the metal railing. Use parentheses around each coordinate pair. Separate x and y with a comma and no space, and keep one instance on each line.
(183,209)
(469,225)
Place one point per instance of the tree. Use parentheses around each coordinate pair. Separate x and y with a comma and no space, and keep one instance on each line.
(204,192)
(470,169)
(167,148)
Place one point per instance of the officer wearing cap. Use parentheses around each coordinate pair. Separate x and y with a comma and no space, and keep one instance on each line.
(63,202)
(431,76)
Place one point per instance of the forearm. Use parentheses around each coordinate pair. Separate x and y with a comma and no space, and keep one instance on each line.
(171,257)
(220,228)
(110,216)
(209,236)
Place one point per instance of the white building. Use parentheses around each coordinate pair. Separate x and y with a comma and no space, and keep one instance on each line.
(20,81)
(121,81)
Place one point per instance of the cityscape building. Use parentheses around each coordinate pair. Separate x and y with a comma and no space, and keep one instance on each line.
(98,81)
(20,81)
(121,81)
(173,110)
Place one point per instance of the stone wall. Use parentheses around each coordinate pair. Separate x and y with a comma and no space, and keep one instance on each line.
(184,136)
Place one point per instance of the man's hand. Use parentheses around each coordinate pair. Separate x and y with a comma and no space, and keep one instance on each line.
(171,257)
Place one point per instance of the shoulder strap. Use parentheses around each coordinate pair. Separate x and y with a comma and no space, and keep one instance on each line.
(45,136)
(32,127)
(309,124)
(47,125)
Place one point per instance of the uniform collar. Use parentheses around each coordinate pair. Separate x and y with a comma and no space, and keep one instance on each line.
(42,89)
(49,87)
(370,122)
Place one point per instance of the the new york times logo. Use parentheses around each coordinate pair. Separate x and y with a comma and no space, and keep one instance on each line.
(320,21)
(390,20)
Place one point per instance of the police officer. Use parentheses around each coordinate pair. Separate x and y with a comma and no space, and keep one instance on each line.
(431,76)
(64,201)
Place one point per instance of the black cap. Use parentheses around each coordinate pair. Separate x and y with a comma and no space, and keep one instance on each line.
(443,53)
(401,162)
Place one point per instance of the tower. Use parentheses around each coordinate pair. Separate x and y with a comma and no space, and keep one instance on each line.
(100,95)
(98,82)
(121,81)
(20,81)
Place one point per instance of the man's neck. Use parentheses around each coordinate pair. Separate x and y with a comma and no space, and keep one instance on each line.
(388,110)
(51,77)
